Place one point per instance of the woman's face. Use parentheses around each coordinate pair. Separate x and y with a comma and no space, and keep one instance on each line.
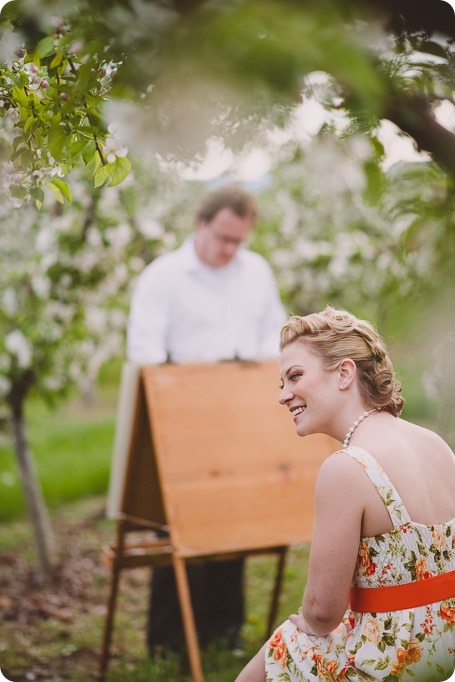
(308,391)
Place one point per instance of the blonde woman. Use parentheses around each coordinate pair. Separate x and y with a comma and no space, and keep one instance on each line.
(379,603)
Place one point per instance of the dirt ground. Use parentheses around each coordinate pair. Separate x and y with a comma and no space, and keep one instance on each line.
(54,632)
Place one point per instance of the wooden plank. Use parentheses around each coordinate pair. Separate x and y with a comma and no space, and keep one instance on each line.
(142,493)
(234,474)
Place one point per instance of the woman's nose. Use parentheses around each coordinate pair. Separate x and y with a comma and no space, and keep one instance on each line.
(285,395)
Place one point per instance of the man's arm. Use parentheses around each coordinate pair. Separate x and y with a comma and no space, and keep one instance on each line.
(149,317)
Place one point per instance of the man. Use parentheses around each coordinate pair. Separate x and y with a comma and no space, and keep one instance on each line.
(207,301)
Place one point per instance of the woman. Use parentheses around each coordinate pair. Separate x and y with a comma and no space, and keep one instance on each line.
(384,517)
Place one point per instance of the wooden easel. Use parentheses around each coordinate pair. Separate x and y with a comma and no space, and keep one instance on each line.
(214,460)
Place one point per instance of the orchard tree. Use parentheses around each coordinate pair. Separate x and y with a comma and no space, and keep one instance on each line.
(330,242)
(50,272)
(65,279)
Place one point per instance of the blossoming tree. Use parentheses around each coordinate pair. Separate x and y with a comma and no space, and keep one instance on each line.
(65,277)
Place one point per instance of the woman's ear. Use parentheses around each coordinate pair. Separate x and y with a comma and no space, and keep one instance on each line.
(346,373)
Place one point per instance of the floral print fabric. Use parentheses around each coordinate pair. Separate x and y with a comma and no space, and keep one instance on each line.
(414,644)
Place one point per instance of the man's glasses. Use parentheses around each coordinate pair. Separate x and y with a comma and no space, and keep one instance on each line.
(225,239)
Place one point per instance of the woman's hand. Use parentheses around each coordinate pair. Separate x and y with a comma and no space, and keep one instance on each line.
(299,621)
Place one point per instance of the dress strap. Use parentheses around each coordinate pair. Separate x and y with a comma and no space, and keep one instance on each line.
(378,477)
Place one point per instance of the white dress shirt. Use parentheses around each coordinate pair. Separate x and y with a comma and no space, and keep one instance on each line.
(186,311)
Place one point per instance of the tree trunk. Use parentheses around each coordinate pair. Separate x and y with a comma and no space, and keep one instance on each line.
(44,536)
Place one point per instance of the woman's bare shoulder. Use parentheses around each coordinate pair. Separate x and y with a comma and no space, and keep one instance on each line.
(339,469)
(427,439)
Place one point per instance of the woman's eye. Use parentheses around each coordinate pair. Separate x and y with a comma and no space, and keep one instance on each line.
(295,376)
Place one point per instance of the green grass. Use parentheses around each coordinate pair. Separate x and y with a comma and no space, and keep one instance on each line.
(71,447)
(68,648)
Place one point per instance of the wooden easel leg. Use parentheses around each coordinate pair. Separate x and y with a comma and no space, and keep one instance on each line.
(188,618)
(109,622)
(276,590)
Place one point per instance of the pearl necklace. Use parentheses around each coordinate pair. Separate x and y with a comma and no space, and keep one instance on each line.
(358,421)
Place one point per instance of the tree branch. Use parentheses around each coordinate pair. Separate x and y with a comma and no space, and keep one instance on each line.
(413,114)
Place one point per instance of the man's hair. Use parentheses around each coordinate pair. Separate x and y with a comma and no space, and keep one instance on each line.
(230,196)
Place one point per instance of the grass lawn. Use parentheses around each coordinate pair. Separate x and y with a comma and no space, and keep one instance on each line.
(72,448)
(55,633)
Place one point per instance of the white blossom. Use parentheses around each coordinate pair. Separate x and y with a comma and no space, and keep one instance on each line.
(17,345)
(9,301)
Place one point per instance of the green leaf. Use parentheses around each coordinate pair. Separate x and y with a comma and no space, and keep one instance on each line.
(18,191)
(119,170)
(57,60)
(63,187)
(116,172)
(101,175)
(27,156)
(374,179)
(57,193)
(89,152)
(56,140)
(75,149)
(20,96)
(31,120)
(22,79)
(45,47)
(37,194)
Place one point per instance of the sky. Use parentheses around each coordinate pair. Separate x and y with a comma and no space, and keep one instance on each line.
(307,121)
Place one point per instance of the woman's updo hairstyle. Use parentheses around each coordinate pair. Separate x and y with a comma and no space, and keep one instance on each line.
(334,335)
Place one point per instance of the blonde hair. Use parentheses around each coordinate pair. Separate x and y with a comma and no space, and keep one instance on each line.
(334,335)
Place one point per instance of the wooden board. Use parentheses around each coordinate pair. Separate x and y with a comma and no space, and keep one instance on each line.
(224,467)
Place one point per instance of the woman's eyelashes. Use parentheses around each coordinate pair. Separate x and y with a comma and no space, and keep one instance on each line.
(295,376)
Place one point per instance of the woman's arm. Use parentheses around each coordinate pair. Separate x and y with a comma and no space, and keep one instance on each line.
(339,505)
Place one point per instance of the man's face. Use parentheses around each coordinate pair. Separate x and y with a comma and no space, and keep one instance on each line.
(217,241)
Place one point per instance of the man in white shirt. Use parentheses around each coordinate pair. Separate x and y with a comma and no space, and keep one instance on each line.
(207,301)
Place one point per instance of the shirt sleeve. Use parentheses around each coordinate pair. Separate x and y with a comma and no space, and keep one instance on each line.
(273,318)
(149,318)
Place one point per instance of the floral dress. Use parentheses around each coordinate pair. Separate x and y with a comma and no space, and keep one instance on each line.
(415,644)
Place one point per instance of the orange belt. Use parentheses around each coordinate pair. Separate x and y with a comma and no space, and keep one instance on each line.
(407,596)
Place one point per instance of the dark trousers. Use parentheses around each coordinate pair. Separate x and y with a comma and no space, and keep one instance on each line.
(216,589)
